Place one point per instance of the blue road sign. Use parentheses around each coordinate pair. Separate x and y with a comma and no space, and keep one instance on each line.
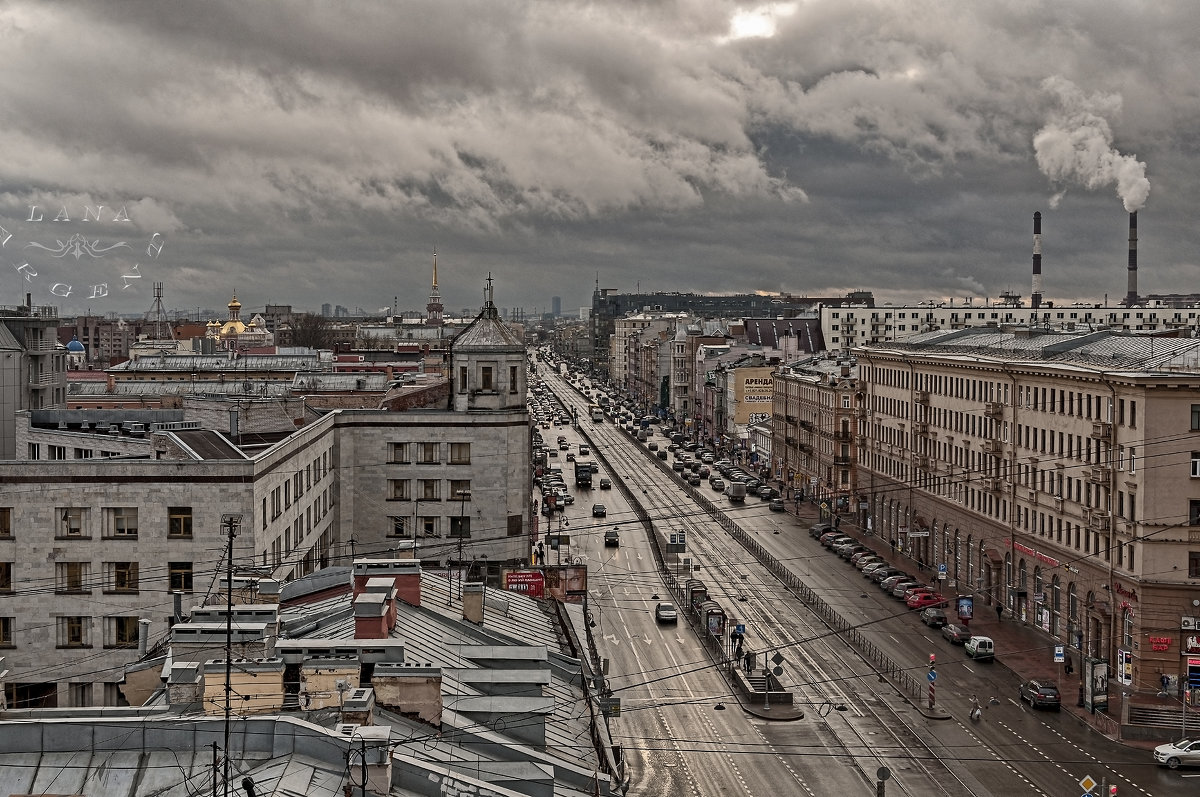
(932,676)
(740,628)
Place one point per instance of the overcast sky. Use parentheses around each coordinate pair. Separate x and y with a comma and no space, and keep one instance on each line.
(310,152)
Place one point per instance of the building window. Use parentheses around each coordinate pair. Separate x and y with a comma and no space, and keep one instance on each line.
(1132,461)
(6,633)
(398,526)
(120,632)
(5,521)
(429,489)
(398,453)
(72,631)
(514,526)
(6,576)
(122,522)
(429,526)
(460,526)
(460,486)
(460,453)
(72,577)
(121,577)
(1193,564)
(72,522)
(427,453)
(179,521)
(512,379)
(1196,417)
(180,575)
(399,490)
(56,452)
(485,379)
(35,451)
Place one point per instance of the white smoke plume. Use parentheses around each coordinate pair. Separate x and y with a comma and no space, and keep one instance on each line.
(1077,145)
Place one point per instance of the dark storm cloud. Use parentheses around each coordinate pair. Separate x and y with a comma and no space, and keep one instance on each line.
(306,152)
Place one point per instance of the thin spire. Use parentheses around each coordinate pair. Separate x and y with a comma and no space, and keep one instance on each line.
(435,268)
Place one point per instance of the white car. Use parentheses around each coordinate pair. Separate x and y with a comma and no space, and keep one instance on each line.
(1177,754)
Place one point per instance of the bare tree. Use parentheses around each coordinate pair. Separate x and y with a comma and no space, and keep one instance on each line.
(311,330)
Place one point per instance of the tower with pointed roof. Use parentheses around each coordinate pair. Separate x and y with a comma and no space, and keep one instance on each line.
(433,310)
(488,363)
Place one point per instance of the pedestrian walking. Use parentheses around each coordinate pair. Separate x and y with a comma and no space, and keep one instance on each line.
(999,612)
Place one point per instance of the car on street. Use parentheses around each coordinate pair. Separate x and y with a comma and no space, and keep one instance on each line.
(766,493)
(693,479)
(564,446)
(570,457)
(718,485)
(922,600)
(879,574)
(1040,694)
(889,583)
(832,538)
(872,566)
(584,449)
(661,455)
(654,447)
(1176,754)
(902,587)
(666,613)
(933,617)
(981,648)
(605,484)
(956,634)
(818,530)
(776,505)
(847,551)
(612,537)
(599,510)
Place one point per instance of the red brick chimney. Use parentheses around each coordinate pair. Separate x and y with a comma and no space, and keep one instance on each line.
(371,616)
(404,573)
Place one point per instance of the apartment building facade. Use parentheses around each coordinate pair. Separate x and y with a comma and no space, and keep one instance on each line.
(1056,474)
(93,541)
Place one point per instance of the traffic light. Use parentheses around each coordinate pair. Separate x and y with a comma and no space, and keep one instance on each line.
(932,660)
(1112,791)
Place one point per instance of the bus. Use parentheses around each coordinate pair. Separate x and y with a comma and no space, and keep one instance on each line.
(596,413)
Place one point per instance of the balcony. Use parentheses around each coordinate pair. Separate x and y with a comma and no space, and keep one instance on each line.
(1099,520)
(921,396)
(989,483)
(790,418)
(920,461)
(843,435)
(805,447)
(861,410)
(1032,497)
(1101,430)
(993,409)
(791,441)
(994,447)
(842,461)
(1099,474)
(920,427)
(806,425)
(45,380)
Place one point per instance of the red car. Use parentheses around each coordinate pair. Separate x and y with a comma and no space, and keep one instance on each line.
(924,599)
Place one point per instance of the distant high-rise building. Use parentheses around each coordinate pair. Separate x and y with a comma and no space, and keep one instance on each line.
(556,306)
(326,310)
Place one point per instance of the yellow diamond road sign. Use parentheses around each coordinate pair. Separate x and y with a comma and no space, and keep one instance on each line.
(1087,783)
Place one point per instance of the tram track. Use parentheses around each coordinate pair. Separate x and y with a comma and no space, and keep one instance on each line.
(674,509)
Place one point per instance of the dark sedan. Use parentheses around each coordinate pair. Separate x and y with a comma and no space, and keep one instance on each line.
(956,634)
(1040,694)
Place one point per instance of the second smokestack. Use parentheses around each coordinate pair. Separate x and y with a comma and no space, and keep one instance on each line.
(1131,297)
(1035,298)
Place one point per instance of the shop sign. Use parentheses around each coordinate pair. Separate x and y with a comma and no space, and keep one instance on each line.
(1160,643)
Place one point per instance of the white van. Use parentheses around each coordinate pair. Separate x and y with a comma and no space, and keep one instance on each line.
(981,648)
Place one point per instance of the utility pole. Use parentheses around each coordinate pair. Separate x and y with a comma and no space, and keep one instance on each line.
(230,522)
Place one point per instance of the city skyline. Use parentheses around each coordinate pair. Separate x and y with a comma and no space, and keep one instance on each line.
(303,154)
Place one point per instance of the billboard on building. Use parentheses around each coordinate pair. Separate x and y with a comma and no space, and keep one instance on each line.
(753,394)
(567,583)
(526,582)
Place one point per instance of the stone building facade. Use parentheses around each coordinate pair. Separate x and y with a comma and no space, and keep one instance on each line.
(1054,473)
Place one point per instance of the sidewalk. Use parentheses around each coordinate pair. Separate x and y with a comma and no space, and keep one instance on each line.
(1022,648)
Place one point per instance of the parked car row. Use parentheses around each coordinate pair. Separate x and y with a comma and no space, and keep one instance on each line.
(906,587)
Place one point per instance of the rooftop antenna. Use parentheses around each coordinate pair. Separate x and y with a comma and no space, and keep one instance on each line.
(230,522)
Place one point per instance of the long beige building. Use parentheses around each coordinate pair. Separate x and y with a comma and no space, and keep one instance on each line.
(1056,473)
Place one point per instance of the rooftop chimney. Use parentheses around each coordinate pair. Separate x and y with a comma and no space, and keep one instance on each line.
(1035,298)
(1131,298)
(472,602)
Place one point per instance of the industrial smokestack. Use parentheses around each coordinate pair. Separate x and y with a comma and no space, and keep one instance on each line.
(1035,298)
(1131,297)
